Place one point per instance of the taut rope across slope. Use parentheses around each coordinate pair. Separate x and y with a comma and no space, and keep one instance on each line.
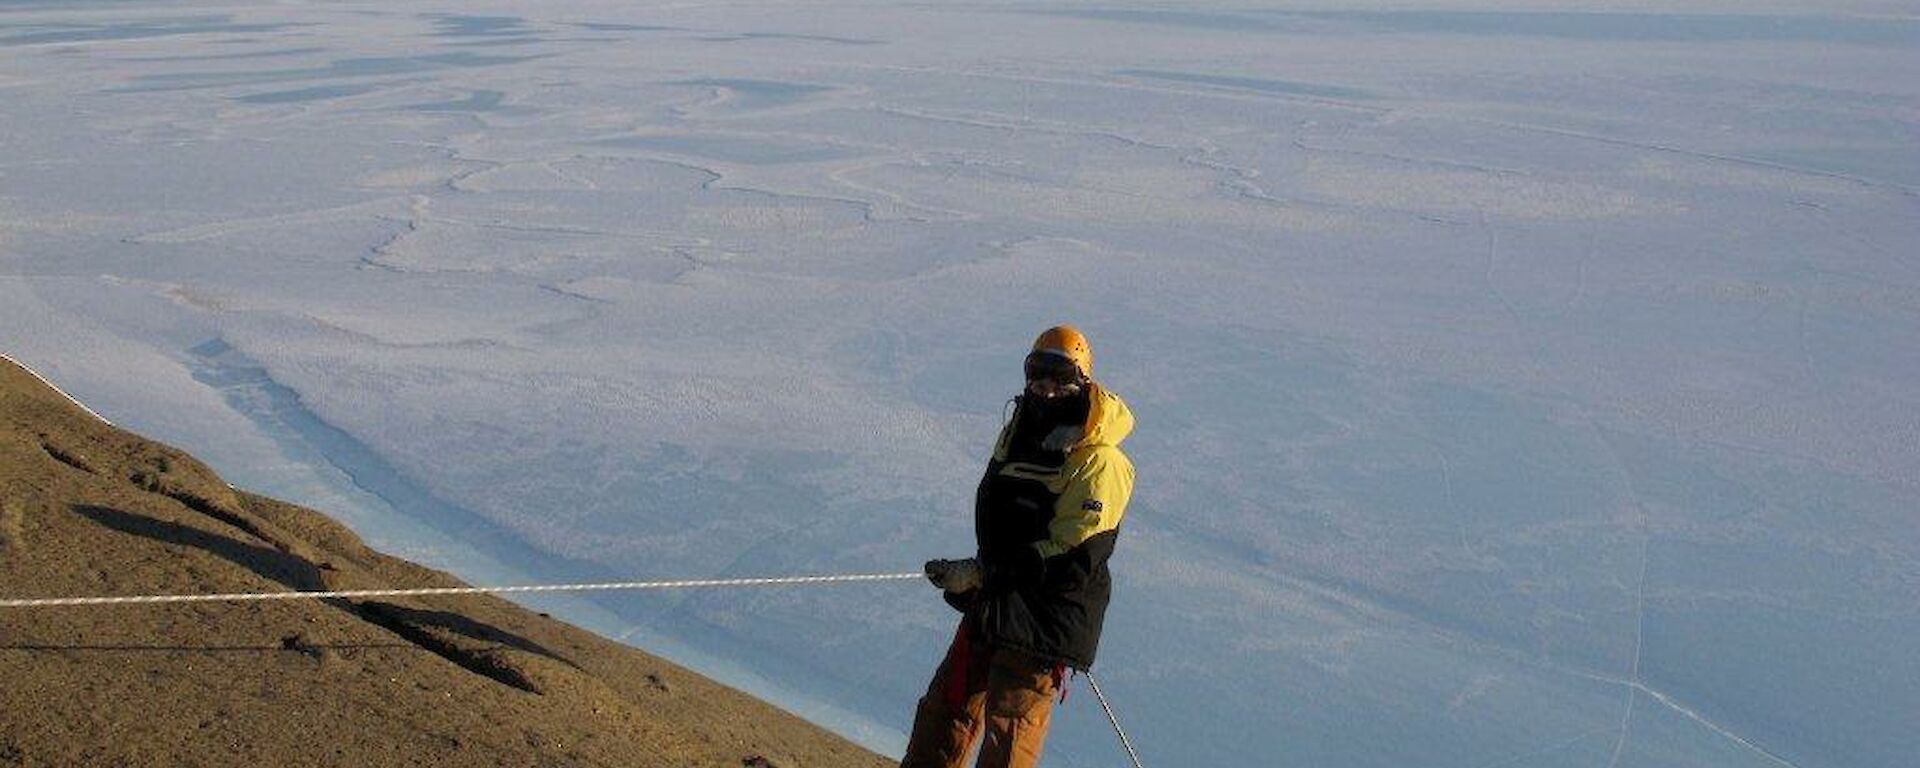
(771,581)
(50,602)
(50,385)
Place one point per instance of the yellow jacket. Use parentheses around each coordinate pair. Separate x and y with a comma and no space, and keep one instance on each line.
(1046,519)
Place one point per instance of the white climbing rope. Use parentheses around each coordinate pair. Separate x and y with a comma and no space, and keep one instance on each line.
(1108,708)
(52,602)
(772,581)
(50,385)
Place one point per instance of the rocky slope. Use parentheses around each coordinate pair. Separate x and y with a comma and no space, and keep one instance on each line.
(88,509)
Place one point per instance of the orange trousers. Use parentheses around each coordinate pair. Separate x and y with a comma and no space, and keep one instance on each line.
(1006,693)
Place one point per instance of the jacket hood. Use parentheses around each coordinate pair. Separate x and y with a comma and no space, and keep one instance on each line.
(1109,420)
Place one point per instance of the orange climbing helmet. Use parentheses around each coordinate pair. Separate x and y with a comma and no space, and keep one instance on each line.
(1065,341)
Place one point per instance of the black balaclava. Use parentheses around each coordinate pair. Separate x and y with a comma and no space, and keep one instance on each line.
(1038,418)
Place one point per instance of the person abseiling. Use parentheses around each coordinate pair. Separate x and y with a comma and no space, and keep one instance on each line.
(1046,517)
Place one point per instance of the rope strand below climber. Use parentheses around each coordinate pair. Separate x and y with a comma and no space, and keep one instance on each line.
(1113,719)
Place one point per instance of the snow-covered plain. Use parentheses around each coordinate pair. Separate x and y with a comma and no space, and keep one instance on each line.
(1520,382)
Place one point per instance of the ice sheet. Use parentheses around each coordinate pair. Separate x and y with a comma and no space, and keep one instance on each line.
(1519,383)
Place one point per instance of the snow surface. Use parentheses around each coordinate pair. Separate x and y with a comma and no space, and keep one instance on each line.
(1520,383)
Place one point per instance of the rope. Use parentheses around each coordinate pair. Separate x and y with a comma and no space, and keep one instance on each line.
(1104,706)
(57,602)
(52,602)
(63,393)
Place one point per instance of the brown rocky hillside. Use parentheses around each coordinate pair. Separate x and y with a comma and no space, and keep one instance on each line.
(88,509)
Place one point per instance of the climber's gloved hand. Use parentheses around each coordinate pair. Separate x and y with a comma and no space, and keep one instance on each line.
(954,575)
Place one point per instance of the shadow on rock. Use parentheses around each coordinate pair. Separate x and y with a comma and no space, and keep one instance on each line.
(289,570)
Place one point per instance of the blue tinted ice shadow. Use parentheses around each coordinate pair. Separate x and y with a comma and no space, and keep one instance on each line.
(759,94)
(271,54)
(367,67)
(485,30)
(734,149)
(316,93)
(67,4)
(479,101)
(1190,19)
(479,26)
(1285,87)
(1574,25)
(308,440)
(602,26)
(744,36)
(88,33)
